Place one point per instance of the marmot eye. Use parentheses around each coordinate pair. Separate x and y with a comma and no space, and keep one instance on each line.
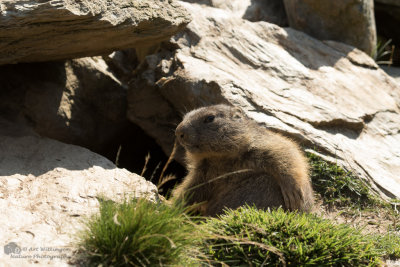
(209,119)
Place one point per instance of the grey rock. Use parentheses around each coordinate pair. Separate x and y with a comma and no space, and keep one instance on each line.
(326,95)
(50,30)
(48,189)
(272,11)
(394,72)
(348,21)
(75,101)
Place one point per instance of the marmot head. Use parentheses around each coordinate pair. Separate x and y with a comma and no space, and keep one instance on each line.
(212,131)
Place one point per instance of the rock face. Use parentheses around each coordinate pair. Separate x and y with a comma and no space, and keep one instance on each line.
(327,95)
(48,188)
(347,21)
(75,101)
(272,11)
(50,30)
(394,72)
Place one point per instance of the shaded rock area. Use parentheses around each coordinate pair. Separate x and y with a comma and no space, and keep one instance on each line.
(329,96)
(393,71)
(272,11)
(348,21)
(75,101)
(47,190)
(50,30)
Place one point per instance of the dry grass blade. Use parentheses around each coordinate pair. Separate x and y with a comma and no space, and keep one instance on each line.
(164,236)
(243,241)
(167,178)
(146,161)
(226,175)
(171,157)
(118,155)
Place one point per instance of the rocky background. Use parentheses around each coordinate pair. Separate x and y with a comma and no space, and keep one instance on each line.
(90,86)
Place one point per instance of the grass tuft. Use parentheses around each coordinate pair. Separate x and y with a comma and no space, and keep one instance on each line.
(141,233)
(138,233)
(252,237)
(338,187)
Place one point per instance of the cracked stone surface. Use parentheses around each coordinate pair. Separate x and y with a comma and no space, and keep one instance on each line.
(348,21)
(51,30)
(71,101)
(47,189)
(329,96)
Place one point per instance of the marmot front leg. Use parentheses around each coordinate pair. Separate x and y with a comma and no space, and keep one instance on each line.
(290,171)
(293,195)
(188,192)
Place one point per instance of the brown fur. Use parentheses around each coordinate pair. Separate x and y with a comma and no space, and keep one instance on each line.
(232,161)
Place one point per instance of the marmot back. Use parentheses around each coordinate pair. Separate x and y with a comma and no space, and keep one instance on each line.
(233,161)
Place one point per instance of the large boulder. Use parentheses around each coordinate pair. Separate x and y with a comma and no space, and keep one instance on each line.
(347,21)
(49,30)
(48,189)
(327,95)
(75,101)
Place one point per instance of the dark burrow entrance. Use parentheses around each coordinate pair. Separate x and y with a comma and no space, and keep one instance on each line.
(135,145)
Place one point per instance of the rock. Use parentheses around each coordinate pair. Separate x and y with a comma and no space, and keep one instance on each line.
(47,191)
(75,101)
(123,63)
(327,95)
(51,30)
(348,21)
(272,11)
(394,72)
(236,7)
(388,2)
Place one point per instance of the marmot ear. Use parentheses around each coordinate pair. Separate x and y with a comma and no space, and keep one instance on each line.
(238,113)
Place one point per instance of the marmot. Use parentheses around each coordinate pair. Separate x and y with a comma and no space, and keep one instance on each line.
(232,161)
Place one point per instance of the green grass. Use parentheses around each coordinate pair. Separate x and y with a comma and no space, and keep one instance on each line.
(141,233)
(390,243)
(383,50)
(249,236)
(338,187)
(138,233)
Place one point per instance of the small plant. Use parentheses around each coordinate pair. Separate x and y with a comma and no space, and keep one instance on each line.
(338,187)
(138,233)
(251,237)
(383,50)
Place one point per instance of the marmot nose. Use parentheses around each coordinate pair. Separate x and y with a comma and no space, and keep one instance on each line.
(179,133)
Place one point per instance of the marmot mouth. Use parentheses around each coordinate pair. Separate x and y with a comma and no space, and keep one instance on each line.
(191,147)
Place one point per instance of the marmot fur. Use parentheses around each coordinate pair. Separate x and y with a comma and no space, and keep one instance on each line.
(232,161)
